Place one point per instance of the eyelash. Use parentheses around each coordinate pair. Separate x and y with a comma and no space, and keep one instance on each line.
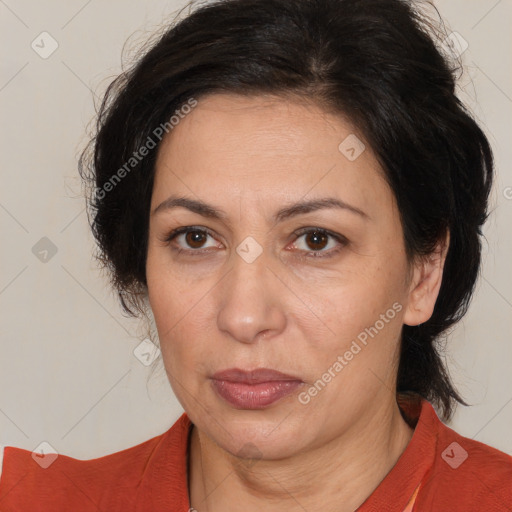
(300,232)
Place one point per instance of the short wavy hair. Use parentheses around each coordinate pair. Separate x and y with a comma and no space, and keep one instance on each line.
(377,63)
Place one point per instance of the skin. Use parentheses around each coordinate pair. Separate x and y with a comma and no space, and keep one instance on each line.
(251,156)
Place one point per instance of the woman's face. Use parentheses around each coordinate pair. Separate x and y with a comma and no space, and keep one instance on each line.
(246,289)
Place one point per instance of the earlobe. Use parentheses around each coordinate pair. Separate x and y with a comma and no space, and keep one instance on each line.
(425,284)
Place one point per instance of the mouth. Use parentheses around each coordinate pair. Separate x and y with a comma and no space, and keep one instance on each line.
(255,389)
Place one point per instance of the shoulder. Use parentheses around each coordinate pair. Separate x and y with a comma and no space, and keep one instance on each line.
(465,474)
(117,478)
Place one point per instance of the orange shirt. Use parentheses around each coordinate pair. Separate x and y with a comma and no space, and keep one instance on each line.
(439,471)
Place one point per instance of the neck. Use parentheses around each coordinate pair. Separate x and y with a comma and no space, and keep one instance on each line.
(339,475)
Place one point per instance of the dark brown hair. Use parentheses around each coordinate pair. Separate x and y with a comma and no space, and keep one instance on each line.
(375,62)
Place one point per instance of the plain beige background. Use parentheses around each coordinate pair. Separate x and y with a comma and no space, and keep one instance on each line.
(68,375)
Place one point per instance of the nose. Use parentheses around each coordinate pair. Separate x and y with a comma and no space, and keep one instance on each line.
(251,301)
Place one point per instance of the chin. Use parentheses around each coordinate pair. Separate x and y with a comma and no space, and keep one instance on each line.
(255,434)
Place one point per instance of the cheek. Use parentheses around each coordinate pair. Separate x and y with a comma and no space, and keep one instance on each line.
(180,307)
(171,293)
(355,358)
(359,294)
(358,317)
(359,322)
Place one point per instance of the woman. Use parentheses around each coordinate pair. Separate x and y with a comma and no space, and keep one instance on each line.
(296,192)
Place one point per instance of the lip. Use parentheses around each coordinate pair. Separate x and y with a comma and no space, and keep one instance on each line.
(253,376)
(253,389)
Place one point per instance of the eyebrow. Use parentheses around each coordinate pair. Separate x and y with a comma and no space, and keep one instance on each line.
(299,208)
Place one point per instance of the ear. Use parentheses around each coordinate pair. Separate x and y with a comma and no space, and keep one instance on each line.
(427,275)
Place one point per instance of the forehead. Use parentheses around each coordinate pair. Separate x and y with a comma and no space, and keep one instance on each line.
(267,145)
(263,126)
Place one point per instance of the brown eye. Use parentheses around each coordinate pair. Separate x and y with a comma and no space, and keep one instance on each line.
(319,242)
(190,239)
(316,240)
(195,238)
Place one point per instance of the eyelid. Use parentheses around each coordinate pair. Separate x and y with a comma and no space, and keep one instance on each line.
(342,241)
(185,229)
(336,236)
